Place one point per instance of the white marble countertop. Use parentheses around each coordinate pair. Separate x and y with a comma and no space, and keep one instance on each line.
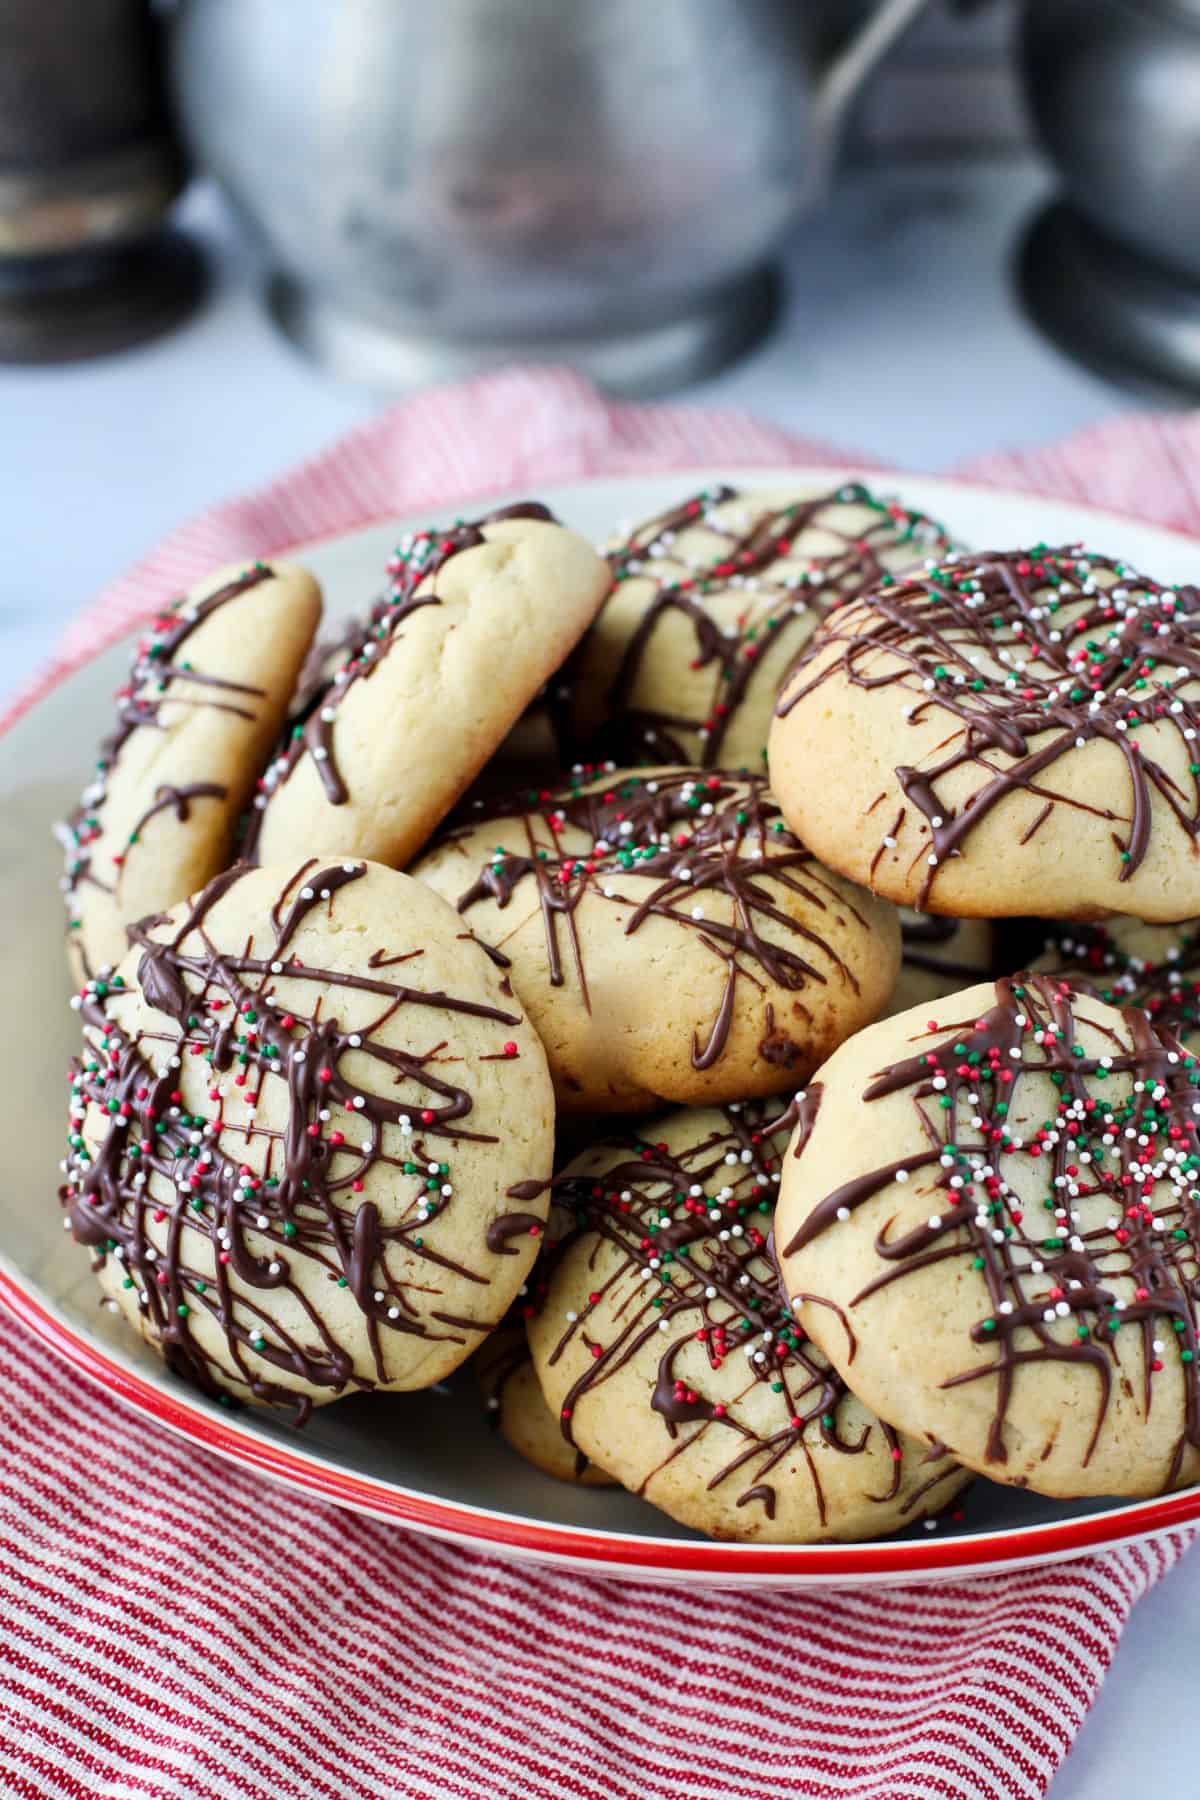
(901,337)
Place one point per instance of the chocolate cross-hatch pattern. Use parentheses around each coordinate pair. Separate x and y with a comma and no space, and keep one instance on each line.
(1082,1226)
(692,1230)
(759,556)
(686,834)
(1035,654)
(158,673)
(236,1228)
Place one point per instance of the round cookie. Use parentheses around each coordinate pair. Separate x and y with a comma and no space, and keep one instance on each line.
(670,938)
(205,699)
(476,619)
(1130,963)
(668,1353)
(990,1226)
(311,1134)
(712,601)
(512,1394)
(938,956)
(1014,725)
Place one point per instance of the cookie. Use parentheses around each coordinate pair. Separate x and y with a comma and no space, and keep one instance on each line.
(711,603)
(669,1355)
(669,937)
(1130,963)
(1006,733)
(204,702)
(478,617)
(939,956)
(990,1226)
(512,1394)
(310,1134)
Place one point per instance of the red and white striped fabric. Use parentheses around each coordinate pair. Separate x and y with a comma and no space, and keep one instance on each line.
(170,1626)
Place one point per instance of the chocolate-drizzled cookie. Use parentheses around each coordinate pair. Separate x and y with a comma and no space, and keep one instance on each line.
(310,1134)
(669,935)
(667,1351)
(990,1223)
(1006,731)
(712,601)
(210,682)
(476,617)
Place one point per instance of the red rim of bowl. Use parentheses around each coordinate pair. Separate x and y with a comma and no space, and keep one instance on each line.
(483,1529)
(571,1544)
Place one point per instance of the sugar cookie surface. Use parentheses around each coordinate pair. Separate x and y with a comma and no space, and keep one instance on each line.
(670,938)
(712,601)
(667,1351)
(211,680)
(475,620)
(311,1134)
(1130,963)
(990,1223)
(1005,734)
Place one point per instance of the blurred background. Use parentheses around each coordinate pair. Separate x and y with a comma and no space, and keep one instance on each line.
(229,229)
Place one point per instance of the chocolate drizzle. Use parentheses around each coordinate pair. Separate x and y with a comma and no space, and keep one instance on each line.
(693,1266)
(1086,1224)
(511,1225)
(681,835)
(1033,655)
(782,588)
(155,677)
(413,571)
(208,1219)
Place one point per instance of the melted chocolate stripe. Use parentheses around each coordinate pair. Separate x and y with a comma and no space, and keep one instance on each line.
(710,1270)
(312,732)
(652,828)
(154,667)
(1117,1245)
(299,1209)
(758,553)
(1034,658)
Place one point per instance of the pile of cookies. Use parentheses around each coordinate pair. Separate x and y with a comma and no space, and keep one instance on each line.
(598,966)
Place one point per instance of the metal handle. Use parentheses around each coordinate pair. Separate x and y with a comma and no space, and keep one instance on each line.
(845,75)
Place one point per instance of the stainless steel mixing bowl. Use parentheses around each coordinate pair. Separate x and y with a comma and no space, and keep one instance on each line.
(445,184)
